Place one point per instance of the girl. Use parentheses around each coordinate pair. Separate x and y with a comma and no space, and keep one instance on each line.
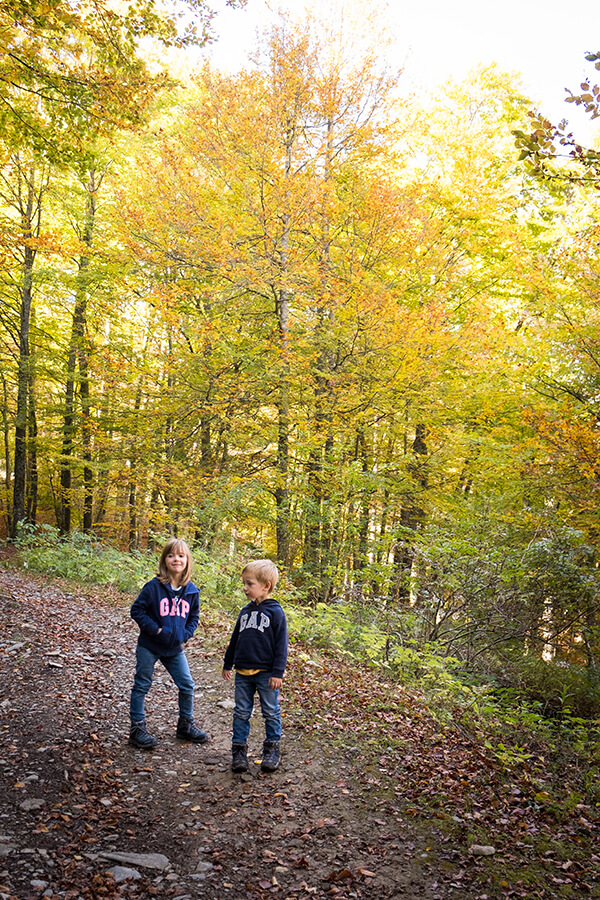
(166,611)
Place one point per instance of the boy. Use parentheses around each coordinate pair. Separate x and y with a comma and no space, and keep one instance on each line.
(258,650)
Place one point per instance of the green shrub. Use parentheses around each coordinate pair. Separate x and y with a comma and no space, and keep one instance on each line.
(82,557)
(556,688)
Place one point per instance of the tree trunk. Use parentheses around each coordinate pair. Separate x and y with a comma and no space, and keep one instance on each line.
(8,472)
(360,558)
(32,467)
(412,516)
(26,199)
(283,298)
(86,442)
(317,559)
(78,357)
(23,381)
(283,426)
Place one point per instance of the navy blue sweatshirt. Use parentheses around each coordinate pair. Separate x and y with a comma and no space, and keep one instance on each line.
(259,639)
(176,612)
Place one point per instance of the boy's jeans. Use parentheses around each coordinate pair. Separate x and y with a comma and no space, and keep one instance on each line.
(245,688)
(179,670)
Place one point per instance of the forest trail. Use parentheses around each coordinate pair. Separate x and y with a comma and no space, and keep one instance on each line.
(341,818)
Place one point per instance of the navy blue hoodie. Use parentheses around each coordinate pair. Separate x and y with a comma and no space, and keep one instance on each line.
(176,612)
(259,639)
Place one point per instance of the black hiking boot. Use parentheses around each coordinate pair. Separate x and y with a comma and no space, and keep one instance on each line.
(271,756)
(140,737)
(187,730)
(239,758)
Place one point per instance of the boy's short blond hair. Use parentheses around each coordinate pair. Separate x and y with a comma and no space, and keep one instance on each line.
(264,570)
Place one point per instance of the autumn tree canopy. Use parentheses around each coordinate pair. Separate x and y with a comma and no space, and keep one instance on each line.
(289,310)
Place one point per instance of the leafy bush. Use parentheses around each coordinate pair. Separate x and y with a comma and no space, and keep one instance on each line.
(82,557)
(556,689)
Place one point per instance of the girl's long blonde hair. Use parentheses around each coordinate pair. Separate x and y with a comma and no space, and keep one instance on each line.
(175,544)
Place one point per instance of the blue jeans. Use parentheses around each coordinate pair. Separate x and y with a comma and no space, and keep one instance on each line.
(246,686)
(178,668)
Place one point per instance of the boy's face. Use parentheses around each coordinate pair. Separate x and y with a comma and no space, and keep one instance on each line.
(255,590)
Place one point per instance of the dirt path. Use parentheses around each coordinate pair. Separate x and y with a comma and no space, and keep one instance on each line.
(78,801)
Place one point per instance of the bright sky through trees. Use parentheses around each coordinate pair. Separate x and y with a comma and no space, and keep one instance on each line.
(541,39)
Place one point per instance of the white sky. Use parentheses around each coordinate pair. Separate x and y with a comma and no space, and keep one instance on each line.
(544,40)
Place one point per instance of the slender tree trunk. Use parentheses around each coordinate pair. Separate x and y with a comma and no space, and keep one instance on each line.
(133,518)
(283,427)
(365,503)
(153,519)
(317,560)
(27,198)
(7,458)
(32,466)
(103,468)
(282,498)
(23,381)
(412,516)
(171,495)
(68,430)
(78,358)
(133,467)
(86,442)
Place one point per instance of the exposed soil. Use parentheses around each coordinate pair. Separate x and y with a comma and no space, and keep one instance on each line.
(339,819)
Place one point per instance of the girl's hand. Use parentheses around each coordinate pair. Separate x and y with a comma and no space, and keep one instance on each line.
(226,673)
(275,683)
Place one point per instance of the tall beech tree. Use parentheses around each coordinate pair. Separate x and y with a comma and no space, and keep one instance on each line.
(77,361)
(262,164)
(24,183)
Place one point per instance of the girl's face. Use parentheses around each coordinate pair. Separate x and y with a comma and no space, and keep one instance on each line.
(255,590)
(175,562)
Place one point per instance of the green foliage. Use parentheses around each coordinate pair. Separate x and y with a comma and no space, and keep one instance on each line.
(488,592)
(84,558)
(81,557)
(337,628)
(556,690)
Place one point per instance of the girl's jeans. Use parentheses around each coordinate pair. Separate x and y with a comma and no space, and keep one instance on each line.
(179,670)
(246,686)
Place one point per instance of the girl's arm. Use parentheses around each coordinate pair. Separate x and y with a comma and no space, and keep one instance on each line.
(193,616)
(139,612)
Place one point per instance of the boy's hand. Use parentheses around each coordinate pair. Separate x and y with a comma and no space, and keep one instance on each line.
(275,683)
(226,673)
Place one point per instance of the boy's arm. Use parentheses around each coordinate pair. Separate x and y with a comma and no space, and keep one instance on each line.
(230,652)
(139,612)
(280,649)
